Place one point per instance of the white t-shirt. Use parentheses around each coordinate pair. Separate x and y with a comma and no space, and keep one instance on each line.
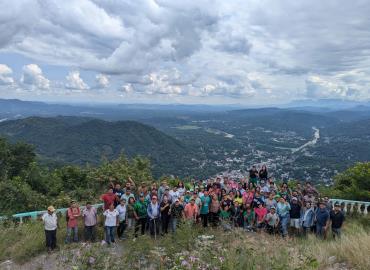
(50,221)
(122,210)
(174,194)
(110,217)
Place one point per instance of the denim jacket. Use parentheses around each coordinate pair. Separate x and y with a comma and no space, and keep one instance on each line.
(310,216)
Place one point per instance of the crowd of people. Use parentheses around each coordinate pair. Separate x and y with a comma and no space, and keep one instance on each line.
(255,203)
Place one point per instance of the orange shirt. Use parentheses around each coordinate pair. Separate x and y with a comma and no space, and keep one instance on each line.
(191,211)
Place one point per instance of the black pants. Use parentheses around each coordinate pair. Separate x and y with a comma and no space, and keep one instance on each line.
(154,226)
(90,233)
(140,222)
(165,222)
(121,228)
(51,239)
(213,217)
(204,218)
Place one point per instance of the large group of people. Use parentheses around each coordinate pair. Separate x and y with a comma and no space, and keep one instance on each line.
(255,203)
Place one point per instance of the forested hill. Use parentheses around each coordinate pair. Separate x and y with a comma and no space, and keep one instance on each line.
(80,140)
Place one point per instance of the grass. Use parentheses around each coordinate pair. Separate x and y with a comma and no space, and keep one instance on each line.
(194,248)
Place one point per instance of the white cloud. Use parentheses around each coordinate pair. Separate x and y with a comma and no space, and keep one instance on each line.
(320,87)
(200,48)
(102,80)
(5,75)
(74,81)
(33,76)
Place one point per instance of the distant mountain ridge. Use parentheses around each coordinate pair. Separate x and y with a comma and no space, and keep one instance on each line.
(84,140)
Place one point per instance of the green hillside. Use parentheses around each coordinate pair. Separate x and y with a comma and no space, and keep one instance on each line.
(74,140)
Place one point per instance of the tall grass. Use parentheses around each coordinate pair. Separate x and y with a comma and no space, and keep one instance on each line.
(192,247)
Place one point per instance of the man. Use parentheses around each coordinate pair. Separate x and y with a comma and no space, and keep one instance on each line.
(337,218)
(72,215)
(108,198)
(154,214)
(322,217)
(130,184)
(90,220)
(177,213)
(119,192)
(140,213)
(295,215)
(204,208)
(50,221)
(191,210)
(127,195)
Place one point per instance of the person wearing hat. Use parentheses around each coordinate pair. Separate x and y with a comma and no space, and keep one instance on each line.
(50,221)
(322,218)
(336,218)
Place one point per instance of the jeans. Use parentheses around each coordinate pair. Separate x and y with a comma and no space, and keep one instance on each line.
(284,225)
(109,234)
(204,218)
(51,239)
(75,234)
(90,233)
(320,230)
(306,230)
(336,232)
(165,221)
(121,228)
(154,226)
(174,224)
(140,223)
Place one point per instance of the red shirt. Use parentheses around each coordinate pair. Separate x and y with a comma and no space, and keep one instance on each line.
(108,199)
(73,214)
(261,213)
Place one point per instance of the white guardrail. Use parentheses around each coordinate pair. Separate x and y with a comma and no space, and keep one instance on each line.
(348,206)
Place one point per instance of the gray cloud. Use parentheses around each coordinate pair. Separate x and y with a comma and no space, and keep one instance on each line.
(282,49)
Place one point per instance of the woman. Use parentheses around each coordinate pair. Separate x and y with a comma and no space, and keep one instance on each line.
(248,196)
(307,218)
(214,210)
(282,210)
(238,197)
(263,173)
(181,188)
(270,201)
(111,221)
(165,215)
(130,213)
(122,211)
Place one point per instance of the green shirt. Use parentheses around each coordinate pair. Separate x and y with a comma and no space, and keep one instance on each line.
(141,209)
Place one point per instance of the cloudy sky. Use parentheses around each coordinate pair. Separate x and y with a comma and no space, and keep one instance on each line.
(165,51)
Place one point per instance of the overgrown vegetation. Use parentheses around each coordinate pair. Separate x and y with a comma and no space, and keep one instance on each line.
(352,184)
(191,247)
(26,186)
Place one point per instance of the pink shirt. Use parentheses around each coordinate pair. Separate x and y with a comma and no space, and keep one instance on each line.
(73,214)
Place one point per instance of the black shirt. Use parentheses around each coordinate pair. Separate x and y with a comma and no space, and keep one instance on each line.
(336,219)
(295,210)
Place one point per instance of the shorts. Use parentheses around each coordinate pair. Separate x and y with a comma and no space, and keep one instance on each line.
(294,222)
